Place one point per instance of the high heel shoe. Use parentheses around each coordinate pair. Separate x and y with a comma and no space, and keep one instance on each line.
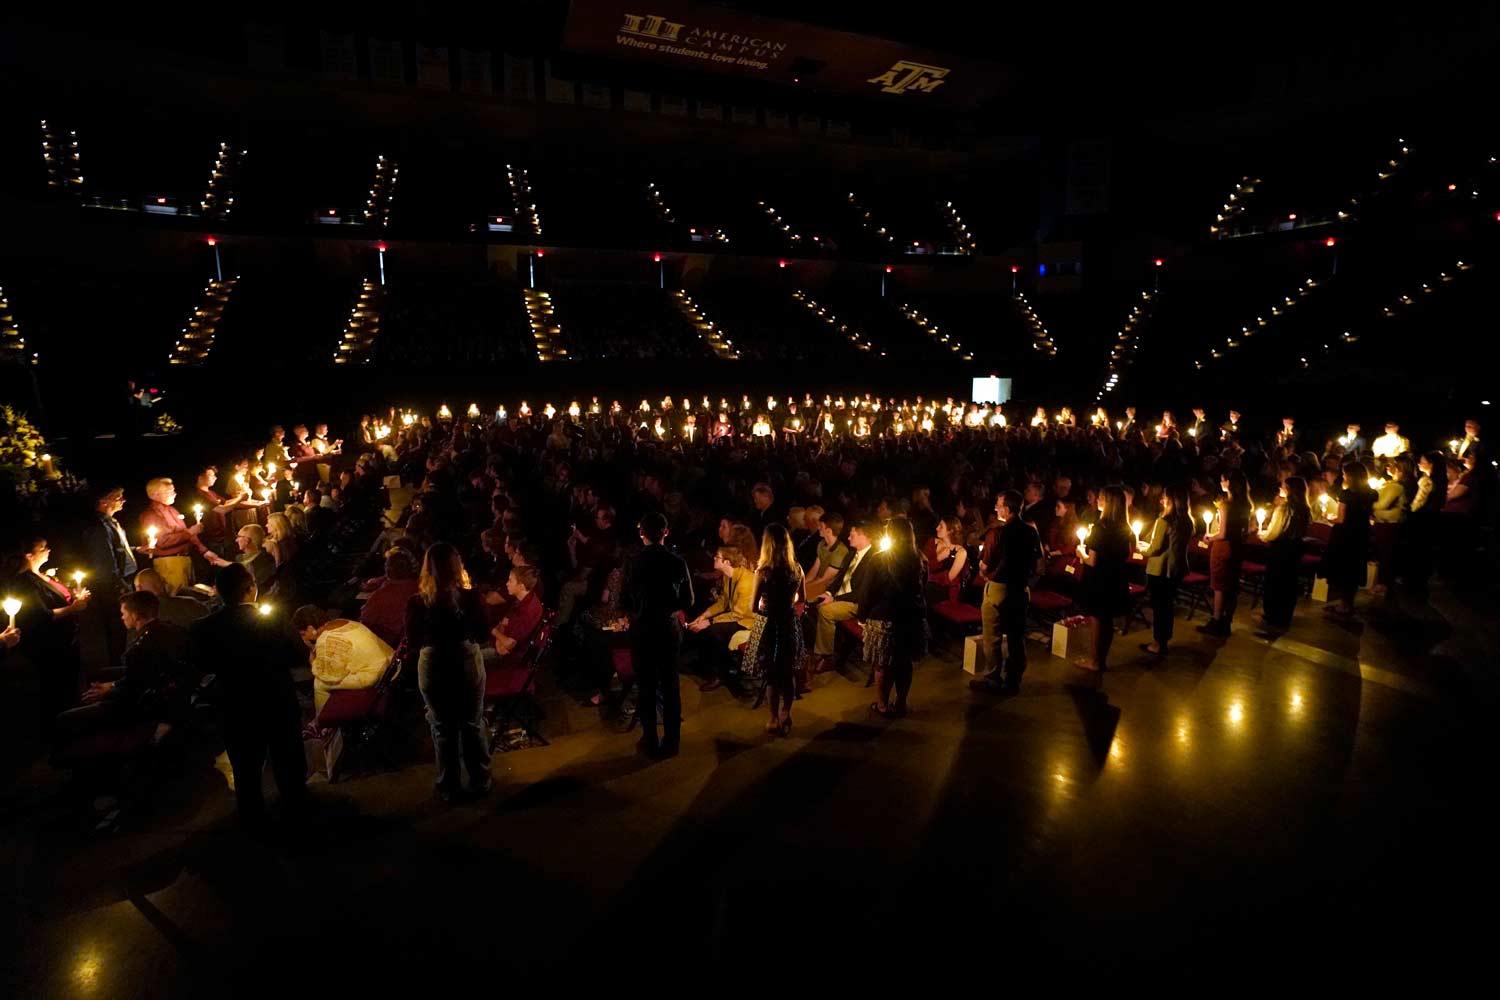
(785,729)
(773,728)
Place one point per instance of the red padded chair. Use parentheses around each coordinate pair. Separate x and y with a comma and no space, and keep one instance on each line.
(106,746)
(1137,610)
(356,721)
(510,691)
(1253,579)
(963,617)
(1194,587)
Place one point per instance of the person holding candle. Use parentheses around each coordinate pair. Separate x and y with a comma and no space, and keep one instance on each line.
(893,611)
(1105,592)
(1470,442)
(1348,553)
(111,564)
(215,509)
(49,619)
(1166,554)
(1226,550)
(175,542)
(1392,500)
(1008,558)
(1282,534)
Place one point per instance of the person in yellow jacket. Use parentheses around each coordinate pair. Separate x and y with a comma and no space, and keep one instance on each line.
(713,631)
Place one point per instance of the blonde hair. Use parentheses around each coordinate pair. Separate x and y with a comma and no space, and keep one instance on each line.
(152,485)
(256,532)
(443,575)
(279,527)
(776,551)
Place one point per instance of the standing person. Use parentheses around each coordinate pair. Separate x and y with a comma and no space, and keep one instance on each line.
(111,565)
(894,613)
(1166,564)
(215,511)
(176,543)
(1422,523)
(48,623)
(774,651)
(1282,535)
(1226,550)
(253,656)
(1348,553)
(657,589)
(1007,561)
(445,628)
(1106,585)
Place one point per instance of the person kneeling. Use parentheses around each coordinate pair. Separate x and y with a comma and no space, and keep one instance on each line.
(346,656)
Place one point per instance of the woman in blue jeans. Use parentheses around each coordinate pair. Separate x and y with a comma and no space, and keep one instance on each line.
(445,629)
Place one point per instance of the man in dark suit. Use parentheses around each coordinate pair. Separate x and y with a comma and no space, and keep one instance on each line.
(842,600)
(1198,429)
(1129,428)
(252,656)
(1354,445)
(657,588)
(1011,555)
(1035,508)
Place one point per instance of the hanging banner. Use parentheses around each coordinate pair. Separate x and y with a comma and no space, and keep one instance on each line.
(387,64)
(474,72)
(697,36)
(337,52)
(432,68)
(520,77)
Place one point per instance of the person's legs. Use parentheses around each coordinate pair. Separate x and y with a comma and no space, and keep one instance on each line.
(1104,636)
(246,745)
(671,697)
(715,648)
(990,626)
(900,672)
(647,661)
(883,689)
(469,715)
(1013,621)
(829,616)
(567,596)
(288,759)
(444,740)
(1163,609)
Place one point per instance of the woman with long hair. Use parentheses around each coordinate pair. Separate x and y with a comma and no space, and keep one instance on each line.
(775,647)
(281,539)
(1226,550)
(895,617)
(49,625)
(1106,585)
(1166,554)
(1282,534)
(445,629)
(1348,553)
(1392,502)
(949,560)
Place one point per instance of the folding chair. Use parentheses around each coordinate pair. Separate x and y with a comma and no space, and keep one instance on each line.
(510,694)
(356,721)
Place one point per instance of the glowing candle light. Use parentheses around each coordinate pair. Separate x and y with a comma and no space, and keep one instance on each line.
(473,413)
(1453,446)
(1192,432)
(573,410)
(151,537)
(549,411)
(1260,518)
(11,606)
(77,580)
(1135,526)
(444,413)
(1375,482)
(525,410)
(270,468)
(1208,521)
(198,511)
(885,543)
(1083,534)
(264,609)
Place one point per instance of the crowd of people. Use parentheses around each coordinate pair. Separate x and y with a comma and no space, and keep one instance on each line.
(756,546)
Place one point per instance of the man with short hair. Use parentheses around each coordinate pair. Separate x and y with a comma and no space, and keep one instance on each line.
(1354,445)
(153,682)
(1009,557)
(517,630)
(275,450)
(657,589)
(830,556)
(175,609)
(176,543)
(252,656)
(762,500)
(1470,441)
(1198,430)
(1391,443)
(842,600)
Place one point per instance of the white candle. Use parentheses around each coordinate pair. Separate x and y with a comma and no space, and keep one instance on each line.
(11,606)
(1208,522)
(198,513)
(1260,518)
(151,537)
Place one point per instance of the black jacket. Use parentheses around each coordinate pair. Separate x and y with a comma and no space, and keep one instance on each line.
(859,583)
(252,658)
(656,587)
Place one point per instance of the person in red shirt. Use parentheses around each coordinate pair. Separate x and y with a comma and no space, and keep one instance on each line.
(173,536)
(385,611)
(514,634)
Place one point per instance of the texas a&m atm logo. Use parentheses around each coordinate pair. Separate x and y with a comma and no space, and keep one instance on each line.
(652,26)
(904,76)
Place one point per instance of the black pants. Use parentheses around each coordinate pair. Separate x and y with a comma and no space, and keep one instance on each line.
(1013,627)
(1281,585)
(712,645)
(655,659)
(249,739)
(1163,593)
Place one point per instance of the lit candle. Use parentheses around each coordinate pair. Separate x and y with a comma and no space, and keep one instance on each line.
(549,411)
(473,413)
(573,409)
(1135,526)
(1119,425)
(198,512)
(443,414)
(1375,482)
(1452,446)
(1208,521)
(11,606)
(264,609)
(1260,518)
(151,537)
(885,543)
(525,410)
(265,494)
(1192,432)
(77,580)
(270,468)
(48,471)
(1083,534)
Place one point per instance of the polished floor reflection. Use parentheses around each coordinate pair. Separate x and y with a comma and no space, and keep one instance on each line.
(1316,802)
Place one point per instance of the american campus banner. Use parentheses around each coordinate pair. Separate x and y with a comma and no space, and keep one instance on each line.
(697,36)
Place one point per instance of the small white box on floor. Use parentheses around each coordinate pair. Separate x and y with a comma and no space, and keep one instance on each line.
(1073,637)
(1320,589)
(974,662)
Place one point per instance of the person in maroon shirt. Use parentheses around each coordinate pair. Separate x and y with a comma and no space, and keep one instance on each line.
(301,449)
(514,634)
(385,611)
(216,508)
(173,536)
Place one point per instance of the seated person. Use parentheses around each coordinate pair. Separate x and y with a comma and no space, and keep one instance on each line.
(844,596)
(831,556)
(251,540)
(281,541)
(179,609)
(729,613)
(346,656)
(514,634)
(154,681)
(385,612)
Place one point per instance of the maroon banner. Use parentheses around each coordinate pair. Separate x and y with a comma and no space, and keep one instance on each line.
(696,36)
